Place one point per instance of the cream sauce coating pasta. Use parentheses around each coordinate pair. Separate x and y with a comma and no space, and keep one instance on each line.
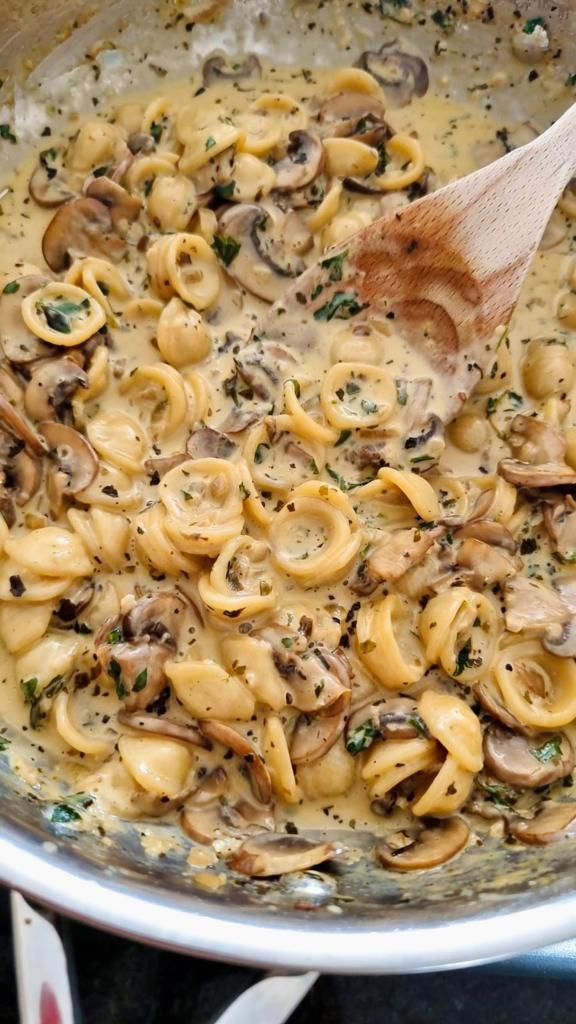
(251,574)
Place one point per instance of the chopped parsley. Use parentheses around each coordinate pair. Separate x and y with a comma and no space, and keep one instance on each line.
(210,142)
(11,288)
(341,306)
(61,313)
(7,134)
(4,744)
(445,20)
(368,406)
(549,751)
(226,248)
(287,641)
(71,809)
(140,681)
(115,636)
(361,738)
(225,191)
(115,671)
(532,24)
(334,264)
(157,128)
(260,453)
(463,660)
(343,437)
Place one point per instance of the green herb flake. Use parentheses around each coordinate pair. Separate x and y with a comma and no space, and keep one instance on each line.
(549,751)
(401,392)
(571,79)
(157,128)
(244,491)
(140,681)
(226,248)
(416,722)
(115,636)
(29,688)
(4,744)
(463,658)
(115,672)
(422,458)
(287,641)
(71,809)
(225,191)
(260,453)
(368,406)
(11,288)
(210,142)
(341,306)
(532,24)
(343,437)
(61,313)
(361,738)
(445,20)
(366,646)
(7,134)
(334,265)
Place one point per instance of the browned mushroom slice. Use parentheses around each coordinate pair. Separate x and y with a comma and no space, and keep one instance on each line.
(11,420)
(401,75)
(564,645)
(527,762)
(82,227)
(73,602)
(314,737)
(553,822)
(140,142)
(354,115)
(548,474)
(20,475)
(560,522)
(124,208)
(208,443)
(260,780)
(51,386)
(207,815)
(219,68)
(397,718)
(487,565)
(534,608)
(262,264)
(301,164)
(318,679)
(164,727)
(428,848)
(532,440)
(47,186)
(272,854)
(133,648)
(489,531)
(19,345)
(400,551)
(491,702)
(75,459)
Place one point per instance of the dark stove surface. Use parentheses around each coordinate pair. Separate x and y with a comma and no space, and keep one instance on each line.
(123,982)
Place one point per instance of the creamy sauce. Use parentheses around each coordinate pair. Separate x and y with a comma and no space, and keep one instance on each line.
(316,572)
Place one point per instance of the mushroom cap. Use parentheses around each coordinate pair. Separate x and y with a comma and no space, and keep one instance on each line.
(547,474)
(272,854)
(124,208)
(51,385)
(208,443)
(434,845)
(401,75)
(354,115)
(150,723)
(73,454)
(46,186)
(553,822)
(527,762)
(314,737)
(19,345)
(161,616)
(81,227)
(490,531)
(489,698)
(303,161)
(219,68)
(259,253)
(260,780)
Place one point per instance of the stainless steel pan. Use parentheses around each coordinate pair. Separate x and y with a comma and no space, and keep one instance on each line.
(492,902)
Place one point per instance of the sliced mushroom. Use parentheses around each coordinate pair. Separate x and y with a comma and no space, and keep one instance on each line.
(260,780)
(428,443)
(82,227)
(527,762)
(133,648)
(487,695)
(262,263)
(553,822)
(51,386)
(72,603)
(12,421)
(301,164)
(219,68)
(20,475)
(47,186)
(487,565)
(75,461)
(432,846)
(400,551)
(401,75)
(548,474)
(560,522)
(394,719)
(267,855)
(158,467)
(314,737)
(124,208)
(207,814)
(489,531)
(564,645)
(318,679)
(533,608)
(534,441)
(140,142)
(164,727)
(208,443)
(259,371)
(354,115)
(19,345)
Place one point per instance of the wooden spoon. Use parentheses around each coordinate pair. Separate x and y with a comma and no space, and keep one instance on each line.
(447,269)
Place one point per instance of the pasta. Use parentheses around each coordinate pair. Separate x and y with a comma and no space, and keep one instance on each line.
(248,576)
